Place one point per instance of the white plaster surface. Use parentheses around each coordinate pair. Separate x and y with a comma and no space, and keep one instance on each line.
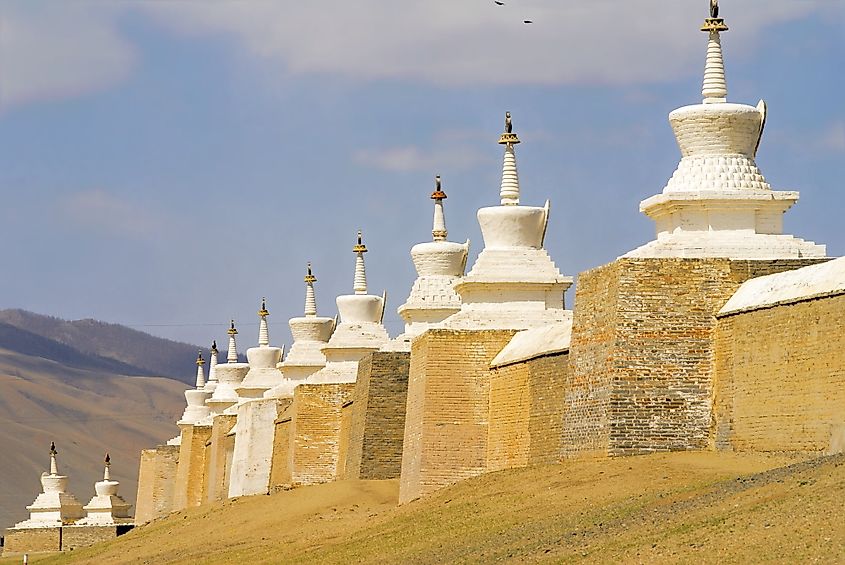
(253,452)
(229,376)
(824,279)
(535,342)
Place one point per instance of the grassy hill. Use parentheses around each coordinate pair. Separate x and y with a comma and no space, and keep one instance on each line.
(664,508)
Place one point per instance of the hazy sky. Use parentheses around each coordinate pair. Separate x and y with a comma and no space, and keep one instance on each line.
(165,164)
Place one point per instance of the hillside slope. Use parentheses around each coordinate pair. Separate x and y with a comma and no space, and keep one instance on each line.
(137,352)
(87,412)
(681,507)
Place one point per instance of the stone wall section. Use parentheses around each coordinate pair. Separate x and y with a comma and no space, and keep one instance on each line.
(219,447)
(22,540)
(74,537)
(343,446)
(448,408)
(780,377)
(317,431)
(156,482)
(526,412)
(378,416)
(253,446)
(643,352)
(190,469)
(281,472)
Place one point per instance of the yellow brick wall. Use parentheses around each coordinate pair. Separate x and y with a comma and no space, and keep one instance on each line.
(280,470)
(448,408)
(343,446)
(190,469)
(317,430)
(215,483)
(156,482)
(780,377)
(25,540)
(74,537)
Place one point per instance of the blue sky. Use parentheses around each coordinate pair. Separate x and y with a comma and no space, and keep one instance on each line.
(166,164)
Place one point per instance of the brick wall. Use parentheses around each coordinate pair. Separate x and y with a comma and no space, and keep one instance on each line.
(526,412)
(343,445)
(642,352)
(215,483)
(317,430)
(22,540)
(378,416)
(74,537)
(780,377)
(190,469)
(448,408)
(282,466)
(156,482)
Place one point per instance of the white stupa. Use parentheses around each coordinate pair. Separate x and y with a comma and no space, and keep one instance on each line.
(106,508)
(196,409)
(360,330)
(513,284)
(310,334)
(229,377)
(717,203)
(263,373)
(439,264)
(54,506)
(211,383)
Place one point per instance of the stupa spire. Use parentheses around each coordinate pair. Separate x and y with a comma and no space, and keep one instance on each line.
(310,299)
(232,354)
(54,468)
(714,88)
(200,371)
(212,364)
(107,461)
(263,330)
(509,191)
(438,230)
(359,285)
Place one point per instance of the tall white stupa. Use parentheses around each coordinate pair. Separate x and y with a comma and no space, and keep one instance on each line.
(310,334)
(106,507)
(211,383)
(229,377)
(439,264)
(263,374)
(360,330)
(54,506)
(717,203)
(513,284)
(196,409)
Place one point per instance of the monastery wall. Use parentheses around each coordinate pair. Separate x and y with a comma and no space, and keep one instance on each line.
(642,352)
(253,448)
(448,408)
(156,482)
(316,431)
(75,537)
(780,377)
(281,470)
(215,483)
(23,540)
(526,412)
(377,426)
(190,469)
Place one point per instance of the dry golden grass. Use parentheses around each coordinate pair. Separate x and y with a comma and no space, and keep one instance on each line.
(682,507)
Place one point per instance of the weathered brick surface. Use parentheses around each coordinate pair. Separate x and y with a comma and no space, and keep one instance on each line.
(282,467)
(343,445)
(74,537)
(526,412)
(378,416)
(156,482)
(642,352)
(448,408)
(218,459)
(190,469)
(780,377)
(23,540)
(317,431)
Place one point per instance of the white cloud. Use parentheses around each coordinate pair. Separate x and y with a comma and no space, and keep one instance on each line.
(410,158)
(833,138)
(101,212)
(59,49)
(477,42)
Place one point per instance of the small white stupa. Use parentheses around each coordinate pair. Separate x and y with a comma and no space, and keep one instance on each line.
(263,374)
(439,264)
(229,377)
(360,330)
(513,284)
(106,508)
(196,409)
(717,203)
(211,383)
(54,506)
(310,334)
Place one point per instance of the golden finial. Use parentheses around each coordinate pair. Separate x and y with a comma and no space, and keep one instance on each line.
(360,247)
(232,330)
(214,346)
(309,277)
(200,360)
(509,137)
(263,312)
(714,22)
(108,460)
(53,448)
(438,193)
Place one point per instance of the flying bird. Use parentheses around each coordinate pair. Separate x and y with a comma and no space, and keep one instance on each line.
(498,3)
(527,22)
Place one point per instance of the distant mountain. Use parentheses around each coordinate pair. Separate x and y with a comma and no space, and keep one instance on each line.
(90,344)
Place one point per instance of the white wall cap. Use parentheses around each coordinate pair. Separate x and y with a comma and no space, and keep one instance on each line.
(535,342)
